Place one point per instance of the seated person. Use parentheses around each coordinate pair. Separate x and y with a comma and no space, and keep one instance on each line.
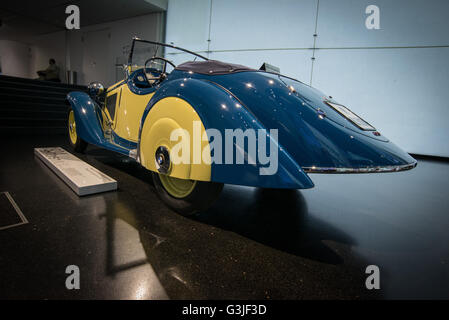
(51,73)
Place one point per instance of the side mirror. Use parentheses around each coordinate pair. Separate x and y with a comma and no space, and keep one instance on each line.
(96,91)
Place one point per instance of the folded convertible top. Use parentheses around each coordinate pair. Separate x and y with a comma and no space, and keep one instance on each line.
(212,67)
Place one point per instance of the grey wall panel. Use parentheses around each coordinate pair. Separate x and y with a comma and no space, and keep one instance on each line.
(188,23)
(402,23)
(247,24)
(292,63)
(402,92)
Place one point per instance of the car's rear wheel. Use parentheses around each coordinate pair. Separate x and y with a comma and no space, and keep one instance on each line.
(186,196)
(77,144)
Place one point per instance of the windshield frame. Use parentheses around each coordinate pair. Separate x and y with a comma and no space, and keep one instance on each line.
(135,39)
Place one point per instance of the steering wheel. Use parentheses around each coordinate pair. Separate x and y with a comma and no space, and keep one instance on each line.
(162,74)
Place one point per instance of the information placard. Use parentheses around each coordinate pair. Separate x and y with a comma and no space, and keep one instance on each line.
(77,174)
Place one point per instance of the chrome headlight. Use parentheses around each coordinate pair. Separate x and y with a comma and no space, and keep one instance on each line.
(96,91)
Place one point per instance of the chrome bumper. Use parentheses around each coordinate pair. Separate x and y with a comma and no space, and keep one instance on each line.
(360,170)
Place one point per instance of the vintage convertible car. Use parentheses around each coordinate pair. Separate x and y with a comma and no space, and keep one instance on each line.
(137,116)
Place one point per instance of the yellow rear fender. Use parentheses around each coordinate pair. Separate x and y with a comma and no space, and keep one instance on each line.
(174,124)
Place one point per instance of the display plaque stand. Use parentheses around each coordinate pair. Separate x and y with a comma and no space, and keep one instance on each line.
(77,174)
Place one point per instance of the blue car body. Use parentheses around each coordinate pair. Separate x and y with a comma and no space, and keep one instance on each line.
(313,137)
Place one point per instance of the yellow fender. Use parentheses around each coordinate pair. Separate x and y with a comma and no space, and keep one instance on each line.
(165,116)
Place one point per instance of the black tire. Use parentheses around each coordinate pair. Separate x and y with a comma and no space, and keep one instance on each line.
(200,198)
(79,145)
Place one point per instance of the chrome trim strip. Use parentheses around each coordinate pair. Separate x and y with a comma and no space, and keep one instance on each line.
(360,170)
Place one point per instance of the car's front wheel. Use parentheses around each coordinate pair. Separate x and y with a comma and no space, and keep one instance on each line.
(77,144)
(186,196)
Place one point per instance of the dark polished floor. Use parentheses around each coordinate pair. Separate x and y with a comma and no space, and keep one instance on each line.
(251,244)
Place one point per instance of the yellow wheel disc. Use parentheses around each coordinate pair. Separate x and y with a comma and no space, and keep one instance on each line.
(178,188)
(72,127)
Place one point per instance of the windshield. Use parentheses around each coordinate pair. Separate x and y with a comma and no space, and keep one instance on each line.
(142,50)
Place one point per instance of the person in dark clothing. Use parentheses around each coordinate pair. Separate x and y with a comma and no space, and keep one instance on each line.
(51,73)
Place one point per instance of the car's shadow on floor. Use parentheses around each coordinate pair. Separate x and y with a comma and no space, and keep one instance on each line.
(274,217)
(277,218)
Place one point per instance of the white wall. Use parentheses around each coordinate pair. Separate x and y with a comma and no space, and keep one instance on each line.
(68,48)
(395,77)
(120,34)
(400,85)
(45,47)
(15,58)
